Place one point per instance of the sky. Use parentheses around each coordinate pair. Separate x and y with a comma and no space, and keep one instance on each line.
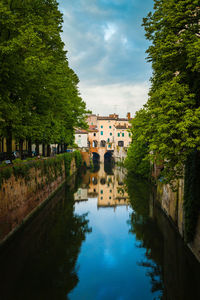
(106,47)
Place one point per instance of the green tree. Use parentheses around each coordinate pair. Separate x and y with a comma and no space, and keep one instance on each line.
(137,160)
(39,97)
(174,99)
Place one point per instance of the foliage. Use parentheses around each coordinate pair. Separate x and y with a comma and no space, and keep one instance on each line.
(51,168)
(78,158)
(137,161)
(173,107)
(39,97)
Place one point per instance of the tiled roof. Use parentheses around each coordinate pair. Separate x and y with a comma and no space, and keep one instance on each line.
(122,119)
(81,131)
(93,128)
(106,118)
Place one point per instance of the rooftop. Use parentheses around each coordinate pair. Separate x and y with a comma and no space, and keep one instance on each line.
(81,131)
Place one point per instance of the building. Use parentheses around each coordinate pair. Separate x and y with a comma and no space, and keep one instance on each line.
(81,138)
(109,136)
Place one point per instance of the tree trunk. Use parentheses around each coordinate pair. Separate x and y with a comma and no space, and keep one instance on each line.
(29,148)
(9,143)
(65,147)
(48,150)
(43,150)
(58,149)
(62,148)
(21,149)
(37,148)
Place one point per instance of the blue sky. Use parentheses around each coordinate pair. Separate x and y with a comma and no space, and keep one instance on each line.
(106,48)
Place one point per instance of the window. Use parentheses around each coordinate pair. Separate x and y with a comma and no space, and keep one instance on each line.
(109,146)
(121,144)
(102,143)
(110,191)
(101,126)
(110,126)
(110,197)
(101,198)
(108,140)
(91,123)
(118,134)
(101,191)
(101,132)
(110,133)
(129,134)
(94,134)
(122,133)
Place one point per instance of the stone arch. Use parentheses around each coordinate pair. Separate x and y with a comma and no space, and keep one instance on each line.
(94,144)
(108,156)
(121,143)
(103,143)
(95,157)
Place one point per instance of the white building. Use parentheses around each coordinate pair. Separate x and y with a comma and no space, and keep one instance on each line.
(81,138)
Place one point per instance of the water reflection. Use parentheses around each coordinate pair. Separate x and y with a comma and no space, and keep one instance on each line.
(41,262)
(172,269)
(108,188)
(107,241)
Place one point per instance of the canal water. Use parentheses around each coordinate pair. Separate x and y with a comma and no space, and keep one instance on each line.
(105,239)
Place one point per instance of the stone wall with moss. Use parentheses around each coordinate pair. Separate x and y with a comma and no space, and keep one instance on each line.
(27,184)
(173,204)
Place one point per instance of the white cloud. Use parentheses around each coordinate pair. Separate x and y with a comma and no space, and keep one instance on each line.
(109,30)
(118,98)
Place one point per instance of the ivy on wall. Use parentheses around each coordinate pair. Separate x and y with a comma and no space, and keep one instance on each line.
(51,168)
(192,194)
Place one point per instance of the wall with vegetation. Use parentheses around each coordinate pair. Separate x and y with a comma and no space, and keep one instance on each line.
(27,184)
(179,207)
(172,202)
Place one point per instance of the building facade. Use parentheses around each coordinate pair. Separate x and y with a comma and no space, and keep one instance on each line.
(109,135)
(81,138)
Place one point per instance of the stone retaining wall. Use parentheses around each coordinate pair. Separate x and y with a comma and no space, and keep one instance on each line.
(18,197)
(172,204)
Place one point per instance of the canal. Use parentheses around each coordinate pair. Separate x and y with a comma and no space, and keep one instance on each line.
(105,239)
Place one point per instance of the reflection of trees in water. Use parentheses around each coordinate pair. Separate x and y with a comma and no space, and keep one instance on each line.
(108,167)
(46,261)
(120,191)
(146,232)
(168,264)
(102,181)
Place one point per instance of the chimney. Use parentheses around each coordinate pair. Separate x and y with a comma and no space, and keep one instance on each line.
(129,115)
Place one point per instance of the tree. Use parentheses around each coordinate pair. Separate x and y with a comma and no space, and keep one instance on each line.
(174,99)
(137,160)
(39,97)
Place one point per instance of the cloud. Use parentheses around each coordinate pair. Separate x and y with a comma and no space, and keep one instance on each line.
(118,98)
(106,47)
(109,30)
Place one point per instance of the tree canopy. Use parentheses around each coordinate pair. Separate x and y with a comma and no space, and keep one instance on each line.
(173,107)
(39,97)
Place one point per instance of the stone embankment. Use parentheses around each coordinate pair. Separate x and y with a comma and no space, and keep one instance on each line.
(26,186)
(172,203)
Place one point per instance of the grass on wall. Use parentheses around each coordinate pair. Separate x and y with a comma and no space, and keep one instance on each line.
(51,168)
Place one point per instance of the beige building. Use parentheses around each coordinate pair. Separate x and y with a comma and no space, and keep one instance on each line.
(109,134)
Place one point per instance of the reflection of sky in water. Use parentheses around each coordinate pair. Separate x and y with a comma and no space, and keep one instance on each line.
(108,262)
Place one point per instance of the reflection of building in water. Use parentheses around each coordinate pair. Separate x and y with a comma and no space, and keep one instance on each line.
(81,195)
(108,188)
